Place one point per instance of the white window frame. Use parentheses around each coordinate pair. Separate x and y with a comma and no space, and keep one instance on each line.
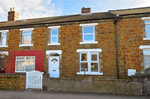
(3,31)
(26,30)
(89,61)
(25,62)
(83,34)
(54,27)
(146,19)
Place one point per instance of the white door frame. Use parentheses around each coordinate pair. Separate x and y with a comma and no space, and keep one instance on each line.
(48,52)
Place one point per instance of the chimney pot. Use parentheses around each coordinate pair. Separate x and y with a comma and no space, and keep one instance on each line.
(13,8)
(10,9)
(12,15)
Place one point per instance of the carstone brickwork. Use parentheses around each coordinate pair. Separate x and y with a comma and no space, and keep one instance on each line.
(130,36)
(12,82)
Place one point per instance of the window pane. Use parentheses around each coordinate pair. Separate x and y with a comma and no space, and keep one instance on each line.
(94,67)
(20,65)
(54,39)
(147,30)
(146,52)
(4,34)
(84,66)
(4,40)
(147,21)
(147,61)
(84,57)
(54,31)
(27,39)
(20,57)
(89,29)
(30,57)
(88,37)
(30,65)
(26,32)
(93,56)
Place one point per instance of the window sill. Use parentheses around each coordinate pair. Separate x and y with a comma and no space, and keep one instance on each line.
(26,45)
(54,44)
(89,73)
(95,42)
(4,46)
(146,38)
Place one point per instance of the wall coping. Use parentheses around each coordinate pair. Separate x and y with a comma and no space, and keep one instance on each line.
(11,74)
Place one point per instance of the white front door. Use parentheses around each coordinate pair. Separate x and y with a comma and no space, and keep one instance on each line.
(54,66)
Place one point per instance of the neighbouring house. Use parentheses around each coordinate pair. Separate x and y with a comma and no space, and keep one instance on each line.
(103,44)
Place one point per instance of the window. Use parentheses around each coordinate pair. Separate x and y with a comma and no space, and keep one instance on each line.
(89,61)
(25,63)
(54,35)
(146,58)
(54,32)
(3,39)
(88,33)
(147,28)
(26,37)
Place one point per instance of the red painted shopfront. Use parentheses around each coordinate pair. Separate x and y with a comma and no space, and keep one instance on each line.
(39,59)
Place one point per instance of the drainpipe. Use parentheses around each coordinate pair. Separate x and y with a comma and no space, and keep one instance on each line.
(117,18)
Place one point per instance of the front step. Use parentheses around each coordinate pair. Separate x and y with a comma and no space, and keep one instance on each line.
(33,89)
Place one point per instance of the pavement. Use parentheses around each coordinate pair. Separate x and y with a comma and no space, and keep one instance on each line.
(28,94)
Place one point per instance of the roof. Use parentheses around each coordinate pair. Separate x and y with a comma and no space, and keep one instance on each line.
(130,11)
(59,19)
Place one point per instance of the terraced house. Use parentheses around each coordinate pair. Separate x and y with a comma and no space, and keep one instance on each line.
(103,44)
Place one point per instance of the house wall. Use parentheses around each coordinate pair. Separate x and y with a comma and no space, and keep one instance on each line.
(130,37)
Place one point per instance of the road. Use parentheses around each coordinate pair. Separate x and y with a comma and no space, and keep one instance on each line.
(6,94)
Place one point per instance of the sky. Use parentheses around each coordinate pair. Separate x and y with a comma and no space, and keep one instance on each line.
(47,8)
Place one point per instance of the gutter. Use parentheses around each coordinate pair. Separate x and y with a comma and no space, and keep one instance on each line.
(117,18)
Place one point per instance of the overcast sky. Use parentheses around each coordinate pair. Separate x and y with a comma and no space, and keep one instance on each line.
(47,8)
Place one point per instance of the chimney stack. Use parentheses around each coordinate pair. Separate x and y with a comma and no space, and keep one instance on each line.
(12,15)
(85,10)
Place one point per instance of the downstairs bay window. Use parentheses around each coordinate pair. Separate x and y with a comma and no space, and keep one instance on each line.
(24,63)
(89,61)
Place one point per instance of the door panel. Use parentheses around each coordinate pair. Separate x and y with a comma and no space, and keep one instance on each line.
(54,66)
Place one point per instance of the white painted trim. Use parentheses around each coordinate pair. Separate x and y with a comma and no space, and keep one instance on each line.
(54,44)
(95,42)
(4,52)
(145,18)
(89,73)
(88,24)
(146,38)
(26,45)
(89,50)
(53,51)
(27,29)
(54,26)
(144,47)
(4,31)
(3,46)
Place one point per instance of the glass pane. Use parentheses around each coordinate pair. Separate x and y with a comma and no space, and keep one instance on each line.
(89,29)
(30,57)
(147,21)
(54,31)
(4,34)
(84,66)
(20,65)
(146,52)
(147,30)
(88,37)
(94,67)
(20,57)
(54,39)
(4,40)
(93,56)
(27,39)
(26,32)
(30,65)
(84,57)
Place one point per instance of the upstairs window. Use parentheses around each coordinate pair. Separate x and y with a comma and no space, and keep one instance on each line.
(147,28)
(3,39)
(88,33)
(26,37)
(54,35)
